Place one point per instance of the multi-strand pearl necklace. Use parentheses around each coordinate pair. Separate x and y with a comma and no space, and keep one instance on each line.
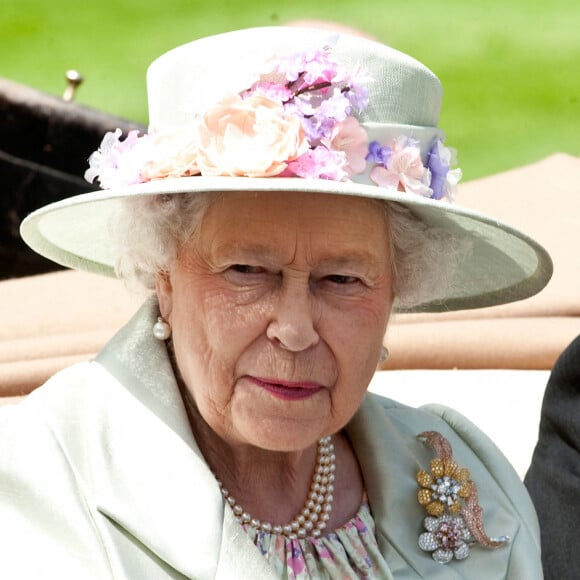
(316,512)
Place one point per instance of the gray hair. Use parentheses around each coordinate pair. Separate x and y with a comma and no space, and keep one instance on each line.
(150,230)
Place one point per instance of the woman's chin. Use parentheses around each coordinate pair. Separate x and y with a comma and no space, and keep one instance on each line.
(287,441)
(290,426)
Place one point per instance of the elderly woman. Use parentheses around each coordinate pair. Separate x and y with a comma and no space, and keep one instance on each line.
(292,191)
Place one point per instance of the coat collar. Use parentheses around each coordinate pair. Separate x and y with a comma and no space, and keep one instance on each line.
(382,448)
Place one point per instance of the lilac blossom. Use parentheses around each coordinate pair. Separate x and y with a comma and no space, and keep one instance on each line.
(358,97)
(311,67)
(317,128)
(336,106)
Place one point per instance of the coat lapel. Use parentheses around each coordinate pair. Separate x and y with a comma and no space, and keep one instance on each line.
(148,473)
(164,495)
(149,476)
(391,490)
(239,558)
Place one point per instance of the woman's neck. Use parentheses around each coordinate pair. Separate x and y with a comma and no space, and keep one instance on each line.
(273,486)
(270,485)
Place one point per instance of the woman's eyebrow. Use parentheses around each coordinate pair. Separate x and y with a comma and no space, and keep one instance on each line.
(250,250)
(351,258)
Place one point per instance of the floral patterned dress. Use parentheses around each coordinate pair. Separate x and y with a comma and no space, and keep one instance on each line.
(350,551)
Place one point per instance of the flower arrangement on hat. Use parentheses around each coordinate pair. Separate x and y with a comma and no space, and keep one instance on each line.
(298,119)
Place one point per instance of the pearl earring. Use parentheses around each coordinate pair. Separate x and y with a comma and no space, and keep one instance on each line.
(384,355)
(161,329)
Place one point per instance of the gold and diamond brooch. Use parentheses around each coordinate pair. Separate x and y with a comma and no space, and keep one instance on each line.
(455,518)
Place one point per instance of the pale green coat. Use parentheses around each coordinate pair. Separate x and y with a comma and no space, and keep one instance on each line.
(101,478)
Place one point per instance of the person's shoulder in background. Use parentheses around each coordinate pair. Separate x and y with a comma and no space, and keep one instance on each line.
(553,479)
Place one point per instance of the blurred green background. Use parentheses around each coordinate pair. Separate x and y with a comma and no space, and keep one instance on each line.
(510,68)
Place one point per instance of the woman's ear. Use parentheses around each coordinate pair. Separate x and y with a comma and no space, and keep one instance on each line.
(164,291)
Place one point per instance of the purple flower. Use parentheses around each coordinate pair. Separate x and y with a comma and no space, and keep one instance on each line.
(443,178)
(327,101)
(439,170)
(336,106)
(317,128)
(358,97)
(302,106)
(378,154)
(291,66)
(356,88)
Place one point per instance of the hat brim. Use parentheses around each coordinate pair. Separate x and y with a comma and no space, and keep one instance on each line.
(503,266)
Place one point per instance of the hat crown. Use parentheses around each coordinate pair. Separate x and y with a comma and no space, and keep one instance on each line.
(191,78)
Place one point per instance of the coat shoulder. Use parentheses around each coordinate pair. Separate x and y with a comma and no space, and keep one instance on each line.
(386,434)
(36,475)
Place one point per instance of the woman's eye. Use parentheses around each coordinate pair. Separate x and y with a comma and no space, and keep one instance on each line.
(246,269)
(246,276)
(342,279)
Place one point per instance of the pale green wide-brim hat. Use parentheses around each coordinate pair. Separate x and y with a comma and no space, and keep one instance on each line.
(404,99)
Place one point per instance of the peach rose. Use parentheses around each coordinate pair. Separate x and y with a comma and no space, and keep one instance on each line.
(250,137)
(170,156)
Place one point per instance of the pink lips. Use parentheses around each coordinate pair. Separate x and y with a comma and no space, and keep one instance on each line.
(289,391)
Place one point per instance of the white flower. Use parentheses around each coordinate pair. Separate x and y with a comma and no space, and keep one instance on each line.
(446,537)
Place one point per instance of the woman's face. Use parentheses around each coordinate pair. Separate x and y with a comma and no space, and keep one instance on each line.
(278,308)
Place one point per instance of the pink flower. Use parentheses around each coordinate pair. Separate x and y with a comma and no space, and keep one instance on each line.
(404,169)
(171,156)
(320,163)
(272,90)
(117,163)
(320,67)
(251,137)
(323,551)
(350,138)
(295,559)
(314,67)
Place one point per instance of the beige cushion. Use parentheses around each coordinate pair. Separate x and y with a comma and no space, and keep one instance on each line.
(54,320)
(543,200)
(486,397)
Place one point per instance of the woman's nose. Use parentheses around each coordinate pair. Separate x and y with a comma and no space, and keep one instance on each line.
(293,325)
